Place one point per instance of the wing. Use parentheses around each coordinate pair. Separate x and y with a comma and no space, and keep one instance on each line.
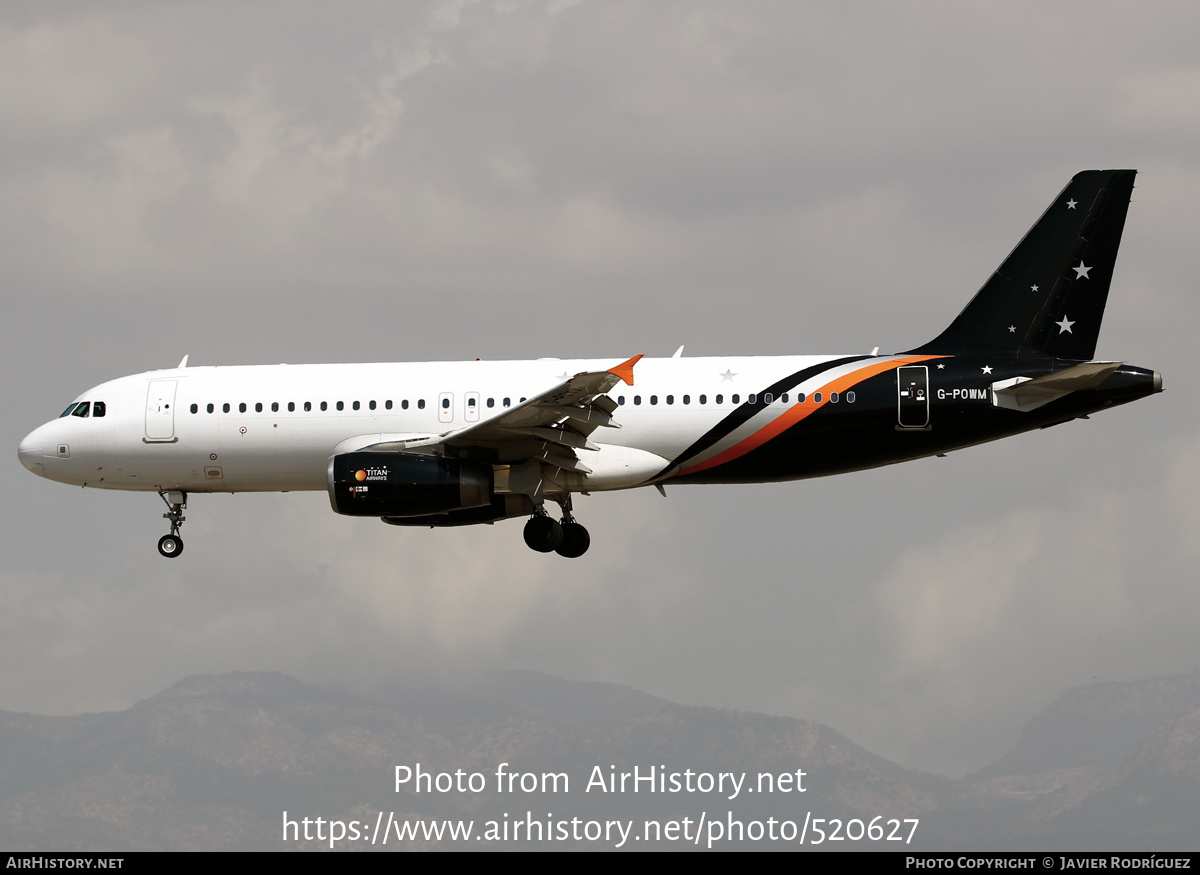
(552,427)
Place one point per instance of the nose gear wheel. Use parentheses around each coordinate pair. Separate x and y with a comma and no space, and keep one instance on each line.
(172,545)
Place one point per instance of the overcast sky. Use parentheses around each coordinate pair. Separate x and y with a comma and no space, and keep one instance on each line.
(257,183)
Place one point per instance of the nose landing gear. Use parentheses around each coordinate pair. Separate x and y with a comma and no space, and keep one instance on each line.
(172,545)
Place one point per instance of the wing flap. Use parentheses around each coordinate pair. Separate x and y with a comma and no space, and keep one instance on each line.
(562,436)
(565,462)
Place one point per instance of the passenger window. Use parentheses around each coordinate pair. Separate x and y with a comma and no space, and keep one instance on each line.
(621,400)
(670,399)
(849,397)
(210,408)
(371,405)
(784,397)
(653,399)
(420,404)
(291,407)
(751,398)
(720,399)
(471,403)
(800,398)
(404,404)
(833,397)
(734,399)
(388,404)
(816,397)
(355,405)
(491,402)
(522,400)
(307,406)
(507,402)
(637,399)
(324,405)
(195,408)
(341,405)
(258,407)
(703,399)
(445,404)
(242,407)
(687,399)
(225,407)
(274,406)
(767,398)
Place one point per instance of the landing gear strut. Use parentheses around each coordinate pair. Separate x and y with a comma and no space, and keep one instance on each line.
(542,533)
(567,538)
(172,545)
(575,539)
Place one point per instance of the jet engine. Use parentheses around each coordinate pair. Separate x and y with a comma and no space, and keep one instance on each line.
(401,485)
(407,490)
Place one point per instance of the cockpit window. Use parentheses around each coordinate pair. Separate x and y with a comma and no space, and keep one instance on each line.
(67,412)
(99,408)
(82,409)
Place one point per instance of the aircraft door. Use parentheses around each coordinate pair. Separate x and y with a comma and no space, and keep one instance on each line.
(446,407)
(160,410)
(912,384)
(472,407)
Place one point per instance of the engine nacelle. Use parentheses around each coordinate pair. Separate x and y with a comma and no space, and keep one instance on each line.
(502,507)
(399,485)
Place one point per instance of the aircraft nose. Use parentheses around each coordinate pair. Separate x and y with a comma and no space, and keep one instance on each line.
(30,453)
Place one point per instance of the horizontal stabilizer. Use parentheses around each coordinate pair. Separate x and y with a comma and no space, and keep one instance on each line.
(1026,393)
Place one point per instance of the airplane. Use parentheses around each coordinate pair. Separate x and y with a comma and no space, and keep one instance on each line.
(464,443)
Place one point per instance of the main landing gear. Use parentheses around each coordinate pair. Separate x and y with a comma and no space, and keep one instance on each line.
(567,538)
(172,545)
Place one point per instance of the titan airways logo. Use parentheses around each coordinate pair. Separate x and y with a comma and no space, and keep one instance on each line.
(370,474)
(965,394)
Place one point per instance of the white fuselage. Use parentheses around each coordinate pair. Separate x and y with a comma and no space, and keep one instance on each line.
(274,428)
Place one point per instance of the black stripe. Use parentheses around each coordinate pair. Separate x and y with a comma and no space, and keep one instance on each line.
(746,411)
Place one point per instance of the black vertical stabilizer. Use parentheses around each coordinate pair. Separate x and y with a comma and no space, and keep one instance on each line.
(1047,298)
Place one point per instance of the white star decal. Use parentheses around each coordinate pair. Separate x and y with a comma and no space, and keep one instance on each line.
(1065,325)
(728,376)
(1033,288)
(1081,272)
(987,369)
(941,367)
(1012,329)
(1071,204)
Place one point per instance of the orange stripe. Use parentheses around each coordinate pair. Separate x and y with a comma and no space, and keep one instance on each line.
(800,411)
